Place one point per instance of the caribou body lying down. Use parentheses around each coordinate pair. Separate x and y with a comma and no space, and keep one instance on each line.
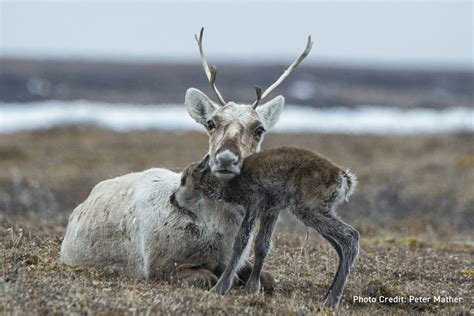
(128,224)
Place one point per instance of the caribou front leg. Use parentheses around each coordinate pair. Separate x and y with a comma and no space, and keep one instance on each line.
(196,277)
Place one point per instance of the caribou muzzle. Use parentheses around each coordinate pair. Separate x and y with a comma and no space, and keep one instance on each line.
(226,164)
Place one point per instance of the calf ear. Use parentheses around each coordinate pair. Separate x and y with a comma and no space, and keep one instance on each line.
(269,113)
(199,106)
(203,164)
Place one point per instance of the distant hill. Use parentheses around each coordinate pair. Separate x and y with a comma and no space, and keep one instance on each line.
(319,86)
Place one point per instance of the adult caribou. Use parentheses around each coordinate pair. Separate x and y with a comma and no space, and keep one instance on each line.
(131,224)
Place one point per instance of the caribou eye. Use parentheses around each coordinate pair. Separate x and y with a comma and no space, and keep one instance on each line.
(259,131)
(183,180)
(210,125)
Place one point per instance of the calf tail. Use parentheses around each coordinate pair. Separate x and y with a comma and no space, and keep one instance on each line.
(347,185)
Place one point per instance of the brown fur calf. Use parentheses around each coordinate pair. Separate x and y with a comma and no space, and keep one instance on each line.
(302,182)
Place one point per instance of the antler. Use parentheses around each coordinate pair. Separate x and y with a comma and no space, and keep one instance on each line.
(211,72)
(285,74)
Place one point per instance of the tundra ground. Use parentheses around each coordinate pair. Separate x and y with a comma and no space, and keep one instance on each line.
(414,209)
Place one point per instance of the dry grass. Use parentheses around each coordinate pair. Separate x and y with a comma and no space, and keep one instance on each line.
(33,280)
(414,209)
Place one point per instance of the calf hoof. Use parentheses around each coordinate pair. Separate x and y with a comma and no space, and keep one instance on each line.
(267,283)
(221,287)
(199,278)
(331,302)
(252,286)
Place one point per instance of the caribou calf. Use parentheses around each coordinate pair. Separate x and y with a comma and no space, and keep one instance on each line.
(300,181)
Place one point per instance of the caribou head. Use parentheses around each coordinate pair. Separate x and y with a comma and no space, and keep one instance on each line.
(235,130)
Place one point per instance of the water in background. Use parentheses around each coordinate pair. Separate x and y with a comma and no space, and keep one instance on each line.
(173,117)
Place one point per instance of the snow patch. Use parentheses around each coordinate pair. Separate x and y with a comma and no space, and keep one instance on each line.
(174,117)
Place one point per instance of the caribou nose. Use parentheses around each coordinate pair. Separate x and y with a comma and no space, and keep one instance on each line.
(227,158)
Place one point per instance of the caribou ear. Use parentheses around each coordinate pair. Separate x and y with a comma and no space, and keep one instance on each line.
(199,106)
(269,112)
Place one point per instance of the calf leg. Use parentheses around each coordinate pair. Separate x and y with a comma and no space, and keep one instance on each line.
(240,242)
(262,247)
(345,240)
(348,243)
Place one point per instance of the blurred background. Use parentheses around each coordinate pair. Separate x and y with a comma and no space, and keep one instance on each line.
(94,90)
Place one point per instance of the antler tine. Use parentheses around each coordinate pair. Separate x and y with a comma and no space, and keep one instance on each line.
(210,72)
(286,73)
(258,91)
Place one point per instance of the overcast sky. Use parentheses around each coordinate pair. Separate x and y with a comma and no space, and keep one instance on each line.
(390,33)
